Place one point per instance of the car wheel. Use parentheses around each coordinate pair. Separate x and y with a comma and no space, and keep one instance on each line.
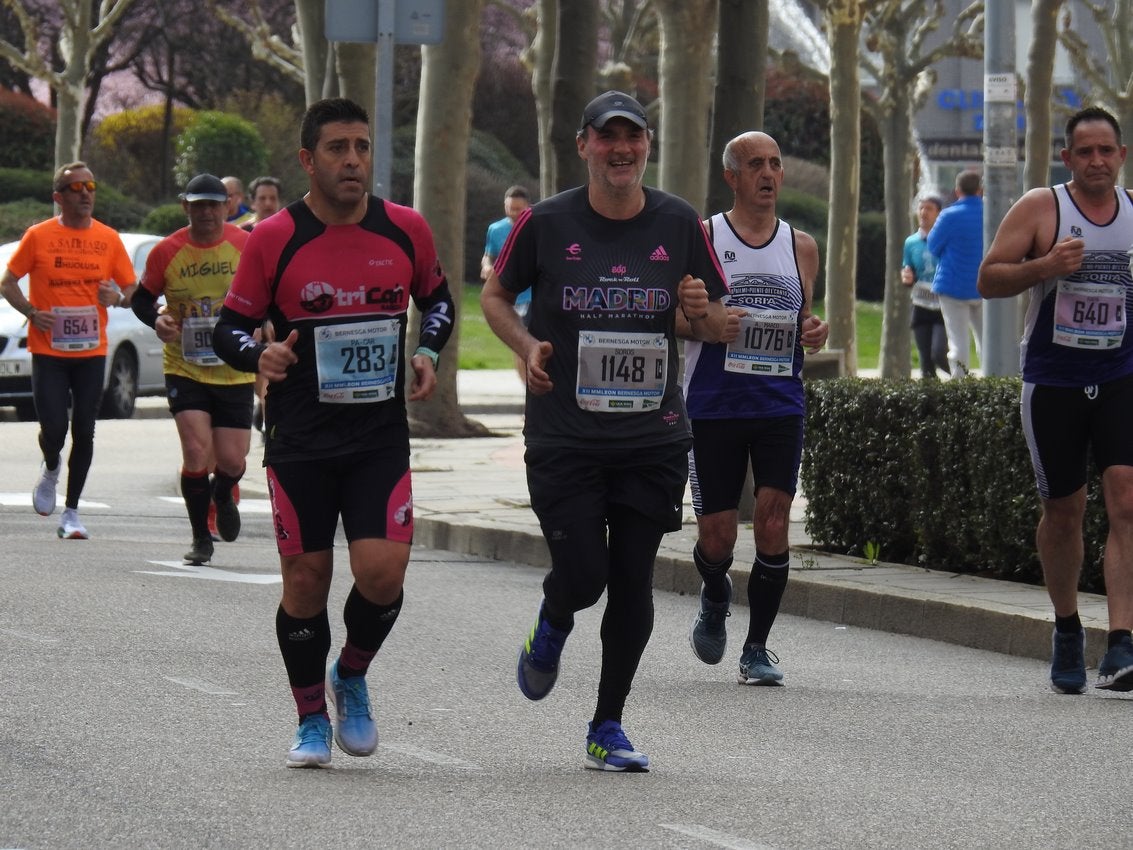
(25,410)
(121,386)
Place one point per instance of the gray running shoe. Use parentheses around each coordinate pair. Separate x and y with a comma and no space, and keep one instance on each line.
(43,495)
(757,667)
(71,527)
(708,636)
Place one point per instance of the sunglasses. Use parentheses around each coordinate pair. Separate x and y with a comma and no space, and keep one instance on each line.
(78,186)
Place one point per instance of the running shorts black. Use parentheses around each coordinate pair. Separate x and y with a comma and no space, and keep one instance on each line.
(568,484)
(372,492)
(229,405)
(722,449)
(1064,424)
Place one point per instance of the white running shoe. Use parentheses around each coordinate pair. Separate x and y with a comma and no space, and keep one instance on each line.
(70,527)
(43,496)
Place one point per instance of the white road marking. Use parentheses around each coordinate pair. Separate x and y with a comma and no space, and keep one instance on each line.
(201,685)
(432,758)
(34,638)
(713,836)
(23,500)
(211,573)
(247,506)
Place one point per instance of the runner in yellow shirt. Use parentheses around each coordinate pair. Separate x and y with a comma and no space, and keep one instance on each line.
(211,402)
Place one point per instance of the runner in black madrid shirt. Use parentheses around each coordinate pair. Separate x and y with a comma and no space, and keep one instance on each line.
(607,435)
(334,272)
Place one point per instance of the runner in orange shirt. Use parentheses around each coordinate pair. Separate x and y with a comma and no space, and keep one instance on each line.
(78,267)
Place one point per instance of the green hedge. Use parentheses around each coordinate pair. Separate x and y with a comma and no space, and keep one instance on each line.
(219,144)
(29,191)
(933,474)
(164,220)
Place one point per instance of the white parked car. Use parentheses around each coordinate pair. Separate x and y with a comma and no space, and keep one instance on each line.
(133,359)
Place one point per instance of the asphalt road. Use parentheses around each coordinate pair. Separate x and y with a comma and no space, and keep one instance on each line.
(145,706)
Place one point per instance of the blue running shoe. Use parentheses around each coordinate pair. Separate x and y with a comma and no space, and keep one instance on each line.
(538,667)
(1115,673)
(1068,662)
(757,667)
(708,636)
(354,728)
(311,747)
(608,748)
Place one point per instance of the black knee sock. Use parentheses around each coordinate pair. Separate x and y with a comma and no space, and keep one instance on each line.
(764,593)
(195,490)
(222,486)
(304,645)
(714,575)
(367,626)
(1116,636)
(1068,625)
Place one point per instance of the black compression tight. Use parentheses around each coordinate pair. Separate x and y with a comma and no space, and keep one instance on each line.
(615,554)
(58,383)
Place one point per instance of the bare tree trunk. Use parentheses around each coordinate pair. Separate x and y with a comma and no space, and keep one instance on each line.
(897,138)
(1040,86)
(357,74)
(687,30)
(444,125)
(844,24)
(311,18)
(542,86)
(576,61)
(741,77)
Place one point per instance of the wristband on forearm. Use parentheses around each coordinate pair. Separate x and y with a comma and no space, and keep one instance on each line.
(428,352)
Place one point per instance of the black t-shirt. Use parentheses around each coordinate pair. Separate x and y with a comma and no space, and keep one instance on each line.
(607,289)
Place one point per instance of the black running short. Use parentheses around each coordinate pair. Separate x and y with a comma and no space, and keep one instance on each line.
(566,484)
(722,449)
(1064,424)
(372,493)
(229,405)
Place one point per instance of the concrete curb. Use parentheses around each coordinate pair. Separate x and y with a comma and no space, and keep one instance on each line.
(838,590)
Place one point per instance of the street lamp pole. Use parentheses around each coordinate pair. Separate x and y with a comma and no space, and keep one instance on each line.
(1000,341)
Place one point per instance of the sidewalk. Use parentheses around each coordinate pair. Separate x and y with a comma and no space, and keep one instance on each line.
(470,496)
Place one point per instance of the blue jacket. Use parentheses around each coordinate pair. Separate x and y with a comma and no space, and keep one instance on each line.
(957,242)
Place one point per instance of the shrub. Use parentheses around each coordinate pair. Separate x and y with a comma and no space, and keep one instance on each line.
(29,132)
(131,150)
(113,208)
(935,474)
(34,187)
(18,216)
(277,122)
(26,183)
(220,144)
(164,220)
